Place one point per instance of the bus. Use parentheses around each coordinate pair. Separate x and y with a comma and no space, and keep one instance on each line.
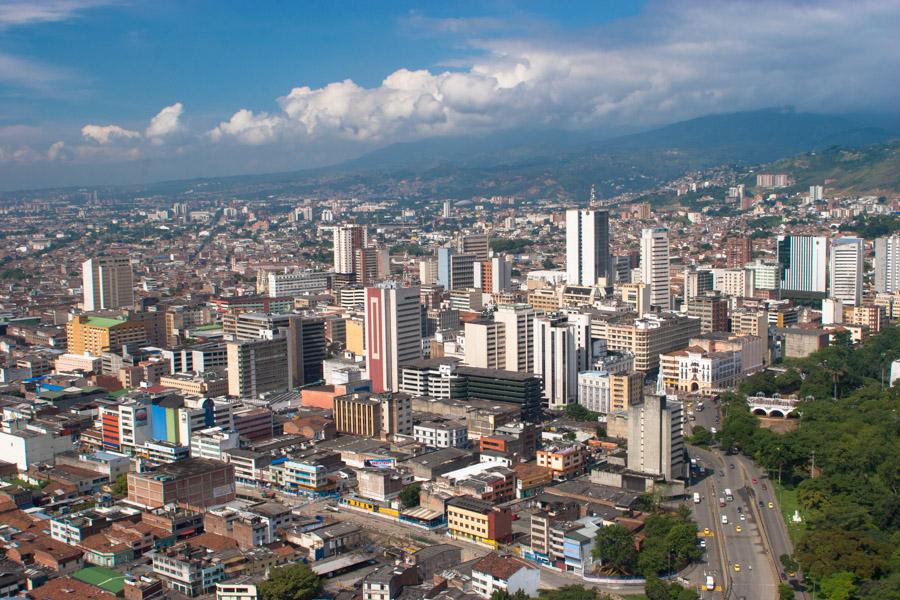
(696,497)
(728,495)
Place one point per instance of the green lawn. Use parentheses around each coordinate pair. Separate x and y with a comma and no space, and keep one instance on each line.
(101,577)
(788,501)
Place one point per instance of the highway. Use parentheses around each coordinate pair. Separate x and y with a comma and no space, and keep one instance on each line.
(762,537)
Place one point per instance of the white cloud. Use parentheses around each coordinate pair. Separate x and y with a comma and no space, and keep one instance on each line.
(55,151)
(165,122)
(24,12)
(677,60)
(103,134)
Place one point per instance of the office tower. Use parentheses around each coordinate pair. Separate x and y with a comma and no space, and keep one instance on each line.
(738,251)
(887,264)
(373,415)
(347,240)
(621,267)
(306,349)
(428,271)
(655,265)
(655,444)
(485,344)
(257,366)
(587,247)
(371,265)
(557,357)
(455,271)
(393,320)
(637,296)
(803,261)
(518,321)
(697,282)
(738,283)
(711,309)
(107,282)
(816,193)
(446,211)
(476,244)
(766,276)
(493,275)
(847,270)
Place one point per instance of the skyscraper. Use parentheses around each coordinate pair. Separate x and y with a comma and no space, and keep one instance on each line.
(107,282)
(556,360)
(887,264)
(655,265)
(738,251)
(455,271)
(803,262)
(518,320)
(347,240)
(393,333)
(847,270)
(587,246)
(655,444)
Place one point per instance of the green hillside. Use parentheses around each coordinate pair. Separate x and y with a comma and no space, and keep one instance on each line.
(870,169)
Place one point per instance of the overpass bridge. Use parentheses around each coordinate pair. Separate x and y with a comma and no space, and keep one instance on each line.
(773,406)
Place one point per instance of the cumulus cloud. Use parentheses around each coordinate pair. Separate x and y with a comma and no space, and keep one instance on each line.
(166,122)
(675,61)
(104,134)
(55,151)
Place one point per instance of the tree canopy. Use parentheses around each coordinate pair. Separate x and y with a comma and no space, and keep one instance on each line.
(291,582)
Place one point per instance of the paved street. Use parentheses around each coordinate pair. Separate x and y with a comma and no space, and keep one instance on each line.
(763,536)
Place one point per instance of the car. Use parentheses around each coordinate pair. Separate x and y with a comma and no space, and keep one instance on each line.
(762,504)
(706,531)
(703,543)
(771,505)
(755,481)
(743,517)
(731,466)
(737,567)
(739,510)
(739,529)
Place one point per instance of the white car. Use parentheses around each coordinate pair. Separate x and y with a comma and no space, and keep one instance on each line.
(743,517)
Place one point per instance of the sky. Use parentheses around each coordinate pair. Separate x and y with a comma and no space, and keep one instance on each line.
(97,92)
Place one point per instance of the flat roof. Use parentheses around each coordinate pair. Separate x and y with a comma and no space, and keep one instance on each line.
(103,321)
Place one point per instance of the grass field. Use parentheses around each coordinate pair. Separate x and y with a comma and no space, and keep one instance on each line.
(103,578)
(788,501)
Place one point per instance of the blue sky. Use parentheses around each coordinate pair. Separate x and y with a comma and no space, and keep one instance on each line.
(96,91)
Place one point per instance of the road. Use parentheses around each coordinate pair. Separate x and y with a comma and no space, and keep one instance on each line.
(763,537)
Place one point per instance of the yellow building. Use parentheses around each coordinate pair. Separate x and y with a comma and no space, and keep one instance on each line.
(355,336)
(563,460)
(624,390)
(478,521)
(95,335)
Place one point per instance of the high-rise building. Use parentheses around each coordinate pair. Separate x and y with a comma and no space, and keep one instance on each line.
(476,244)
(493,275)
(711,309)
(258,366)
(803,260)
(518,321)
(485,344)
(587,247)
(655,265)
(107,282)
(393,320)
(738,251)
(347,240)
(887,264)
(816,193)
(847,270)
(766,276)
(456,271)
(373,415)
(655,444)
(558,356)
(697,282)
(738,283)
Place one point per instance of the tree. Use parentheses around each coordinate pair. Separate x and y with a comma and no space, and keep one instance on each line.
(839,586)
(701,436)
(410,495)
(790,565)
(614,548)
(504,595)
(291,582)
(572,592)
(786,592)
(119,488)
(580,413)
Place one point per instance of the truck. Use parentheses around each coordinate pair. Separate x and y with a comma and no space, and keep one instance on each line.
(696,497)
(710,583)
(728,495)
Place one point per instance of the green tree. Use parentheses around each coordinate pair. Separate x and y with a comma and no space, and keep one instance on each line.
(701,436)
(786,592)
(504,595)
(614,548)
(409,496)
(291,582)
(839,586)
(788,562)
(119,487)
(580,413)
(572,592)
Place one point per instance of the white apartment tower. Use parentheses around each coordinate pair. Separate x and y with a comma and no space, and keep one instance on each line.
(347,240)
(887,264)
(107,282)
(655,265)
(587,247)
(847,270)
(518,322)
(803,261)
(556,360)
